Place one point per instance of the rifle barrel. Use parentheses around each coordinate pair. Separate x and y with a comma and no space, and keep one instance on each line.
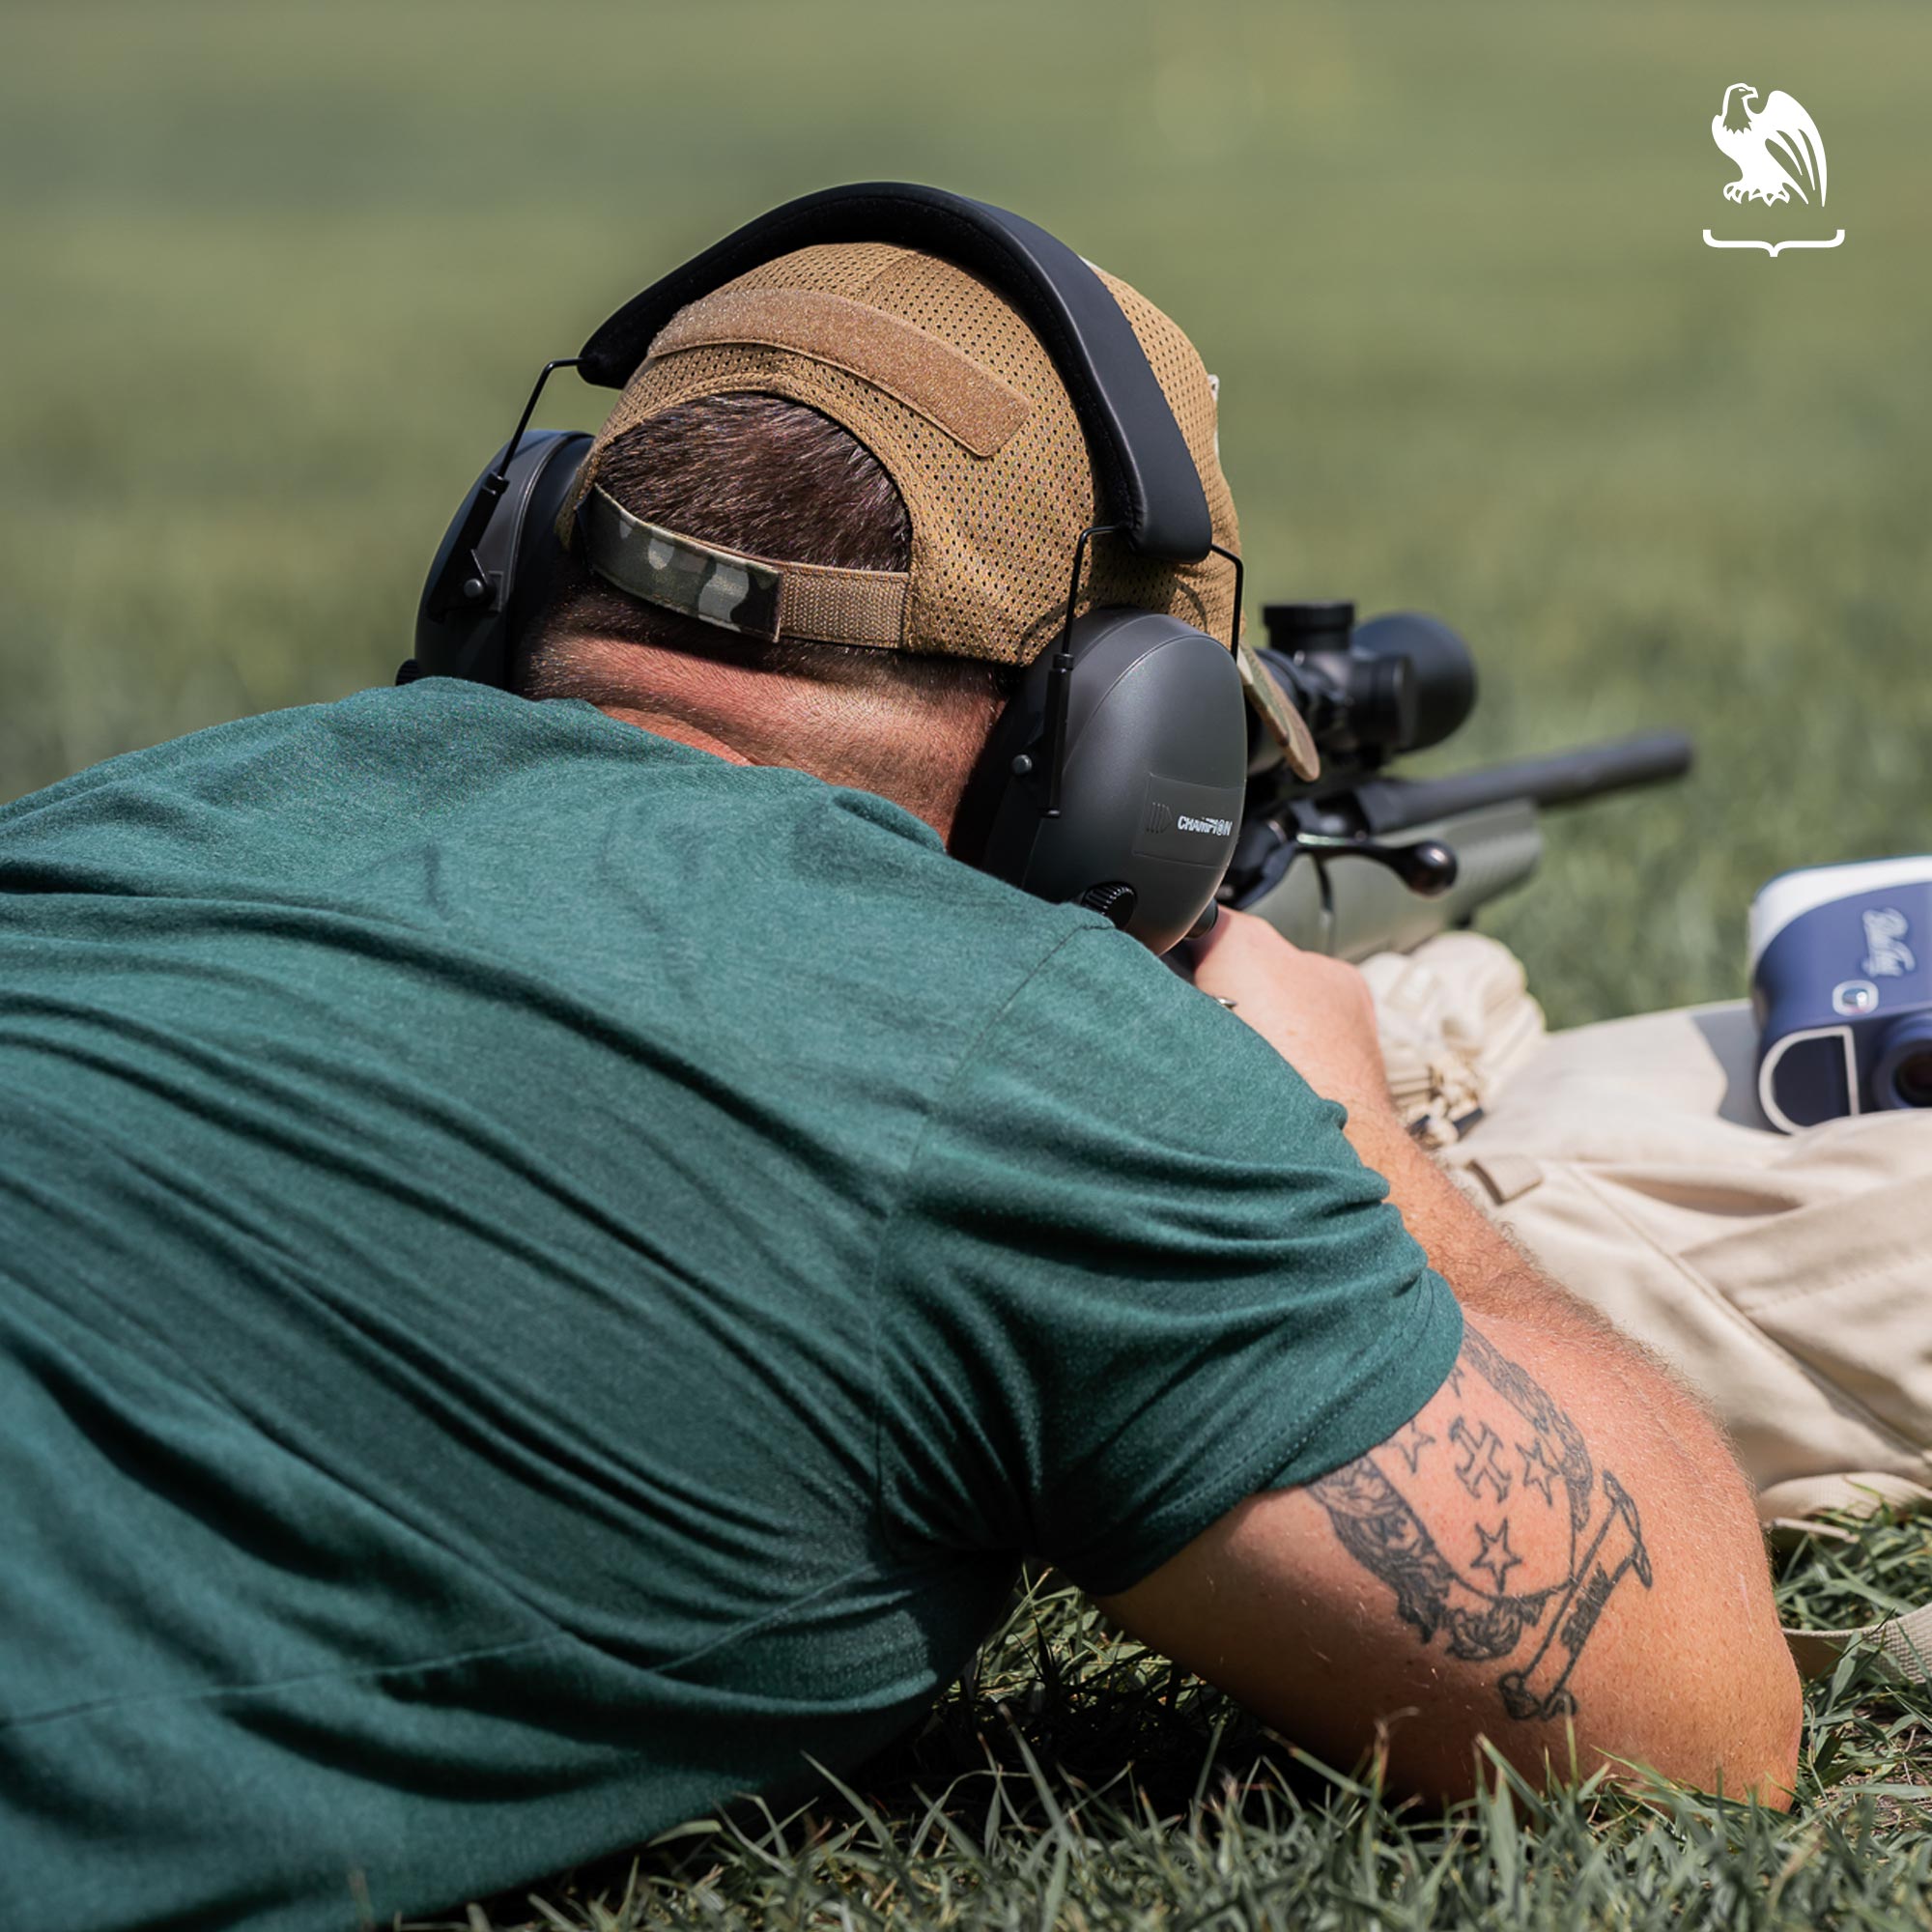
(1393,805)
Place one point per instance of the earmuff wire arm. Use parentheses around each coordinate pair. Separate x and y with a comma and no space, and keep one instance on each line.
(530,407)
(464,580)
(1234,622)
(1060,682)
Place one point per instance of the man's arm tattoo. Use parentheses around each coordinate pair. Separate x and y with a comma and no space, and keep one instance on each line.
(1536,1574)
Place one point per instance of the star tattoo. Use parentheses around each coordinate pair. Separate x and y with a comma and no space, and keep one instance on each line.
(1538,1472)
(1495,1555)
(1406,1542)
(1411,1442)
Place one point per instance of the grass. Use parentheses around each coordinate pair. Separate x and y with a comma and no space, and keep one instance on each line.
(278,275)
(1078,1781)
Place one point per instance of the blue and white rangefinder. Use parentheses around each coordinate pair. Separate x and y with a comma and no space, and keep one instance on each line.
(1841,985)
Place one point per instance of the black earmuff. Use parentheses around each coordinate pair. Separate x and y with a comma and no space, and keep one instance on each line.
(497,561)
(1116,773)
(1154,761)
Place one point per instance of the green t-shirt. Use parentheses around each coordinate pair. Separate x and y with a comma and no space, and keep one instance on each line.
(546,1276)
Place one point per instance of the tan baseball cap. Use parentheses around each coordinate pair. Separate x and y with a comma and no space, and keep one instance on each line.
(962,406)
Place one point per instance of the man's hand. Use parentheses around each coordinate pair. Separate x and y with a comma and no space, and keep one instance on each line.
(1315,1011)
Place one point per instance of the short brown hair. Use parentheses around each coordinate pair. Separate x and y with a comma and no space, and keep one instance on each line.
(772,478)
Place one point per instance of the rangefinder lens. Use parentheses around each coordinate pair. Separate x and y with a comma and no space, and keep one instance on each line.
(1912,1079)
(1902,1074)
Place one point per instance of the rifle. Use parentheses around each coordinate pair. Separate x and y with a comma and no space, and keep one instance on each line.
(1355,862)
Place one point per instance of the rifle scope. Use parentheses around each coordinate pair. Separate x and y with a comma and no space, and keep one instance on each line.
(1359,862)
(1370,692)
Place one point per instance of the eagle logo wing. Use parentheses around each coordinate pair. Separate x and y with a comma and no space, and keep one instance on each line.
(1778,148)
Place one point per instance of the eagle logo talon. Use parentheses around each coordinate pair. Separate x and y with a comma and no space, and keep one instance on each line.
(1778,148)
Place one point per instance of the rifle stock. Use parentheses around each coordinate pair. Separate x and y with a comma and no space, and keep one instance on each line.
(1350,906)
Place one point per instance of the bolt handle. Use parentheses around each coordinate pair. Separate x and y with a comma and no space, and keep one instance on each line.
(1427,867)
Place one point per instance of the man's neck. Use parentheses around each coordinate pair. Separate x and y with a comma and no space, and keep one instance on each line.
(918,755)
(929,795)
(685,732)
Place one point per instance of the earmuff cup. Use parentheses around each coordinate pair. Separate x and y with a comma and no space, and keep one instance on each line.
(486,590)
(1153,784)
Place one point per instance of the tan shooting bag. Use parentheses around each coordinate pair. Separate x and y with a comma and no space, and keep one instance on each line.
(1789,1276)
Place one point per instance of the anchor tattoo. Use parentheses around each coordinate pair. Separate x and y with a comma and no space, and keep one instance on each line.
(1541,1689)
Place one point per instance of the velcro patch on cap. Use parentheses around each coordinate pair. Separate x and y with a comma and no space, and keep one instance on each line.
(932,378)
(677,572)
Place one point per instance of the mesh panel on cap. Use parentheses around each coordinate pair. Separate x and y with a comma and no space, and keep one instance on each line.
(992,536)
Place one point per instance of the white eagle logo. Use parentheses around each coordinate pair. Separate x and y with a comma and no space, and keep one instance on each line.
(1779,148)
(1780,154)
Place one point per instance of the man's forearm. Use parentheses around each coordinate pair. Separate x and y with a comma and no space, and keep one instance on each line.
(1492,1277)
(1490,1274)
(1318,1015)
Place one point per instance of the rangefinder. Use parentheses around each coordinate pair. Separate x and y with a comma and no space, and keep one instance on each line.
(1841,986)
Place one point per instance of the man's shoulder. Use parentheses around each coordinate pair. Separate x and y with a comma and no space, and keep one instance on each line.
(595,857)
(312,790)
(429,736)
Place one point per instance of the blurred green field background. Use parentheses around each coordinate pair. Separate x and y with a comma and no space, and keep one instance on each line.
(276,277)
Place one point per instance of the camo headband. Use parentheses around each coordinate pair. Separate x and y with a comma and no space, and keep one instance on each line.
(751,595)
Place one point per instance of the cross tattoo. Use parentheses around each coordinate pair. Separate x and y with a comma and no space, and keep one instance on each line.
(1480,1464)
